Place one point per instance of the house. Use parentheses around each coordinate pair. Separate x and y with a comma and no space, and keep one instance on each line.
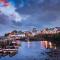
(57,29)
(28,34)
(34,31)
(16,35)
(49,31)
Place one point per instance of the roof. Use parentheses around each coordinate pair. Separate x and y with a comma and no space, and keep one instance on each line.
(58,28)
(49,28)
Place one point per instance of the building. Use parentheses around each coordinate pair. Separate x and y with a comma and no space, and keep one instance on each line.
(16,35)
(28,34)
(51,30)
(34,31)
(57,29)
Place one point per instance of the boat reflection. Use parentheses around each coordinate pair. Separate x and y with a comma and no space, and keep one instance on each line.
(10,53)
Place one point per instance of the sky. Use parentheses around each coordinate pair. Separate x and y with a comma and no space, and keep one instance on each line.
(28,14)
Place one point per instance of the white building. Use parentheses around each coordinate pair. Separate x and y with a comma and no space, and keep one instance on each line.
(19,35)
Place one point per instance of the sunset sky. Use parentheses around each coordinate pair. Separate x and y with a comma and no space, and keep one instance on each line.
(27,14)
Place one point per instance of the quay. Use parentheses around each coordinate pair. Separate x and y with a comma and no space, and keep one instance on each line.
(9,46)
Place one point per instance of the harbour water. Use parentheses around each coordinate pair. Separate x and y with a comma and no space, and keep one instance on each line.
(36,50)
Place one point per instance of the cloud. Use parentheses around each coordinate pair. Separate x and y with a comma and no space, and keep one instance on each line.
(3,19)
(43,13)
(26,14)
(11,12)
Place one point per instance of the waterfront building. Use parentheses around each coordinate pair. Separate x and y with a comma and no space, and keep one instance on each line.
(57,29)
(34,31)
(28,34)
(51,30)
(16,35)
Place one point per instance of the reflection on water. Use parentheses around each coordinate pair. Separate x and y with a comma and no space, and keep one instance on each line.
(45,44)
(29,44)
(36,50)
(10,53)
(48,44)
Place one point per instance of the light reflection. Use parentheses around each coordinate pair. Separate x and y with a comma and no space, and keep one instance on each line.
(29,44)
(6,53)
(48,44)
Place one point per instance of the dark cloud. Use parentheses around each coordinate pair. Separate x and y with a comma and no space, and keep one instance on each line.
(17,23)
(51,5)
(40,10)
(46,10)
(32,6)
(3,19)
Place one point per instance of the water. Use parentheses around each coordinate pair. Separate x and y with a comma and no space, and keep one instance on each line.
(36,50)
